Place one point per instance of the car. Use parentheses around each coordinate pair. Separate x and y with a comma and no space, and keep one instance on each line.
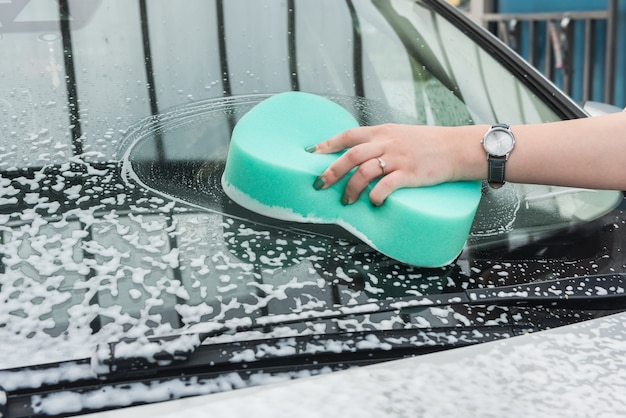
(128,277)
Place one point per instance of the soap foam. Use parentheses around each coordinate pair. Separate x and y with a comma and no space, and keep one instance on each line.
(286,214)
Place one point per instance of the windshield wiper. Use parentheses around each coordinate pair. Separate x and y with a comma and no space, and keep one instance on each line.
(228,365)
(596,292)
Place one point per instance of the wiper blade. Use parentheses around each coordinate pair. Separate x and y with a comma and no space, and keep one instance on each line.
(223,366)
(597,292)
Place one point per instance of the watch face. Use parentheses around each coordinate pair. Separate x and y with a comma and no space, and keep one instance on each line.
(498,142)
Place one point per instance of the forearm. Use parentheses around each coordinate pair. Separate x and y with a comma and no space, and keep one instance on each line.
(581,153)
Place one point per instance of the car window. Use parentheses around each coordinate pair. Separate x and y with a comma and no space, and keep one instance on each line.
(115,120)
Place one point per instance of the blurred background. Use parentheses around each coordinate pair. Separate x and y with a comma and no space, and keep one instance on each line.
(579,44)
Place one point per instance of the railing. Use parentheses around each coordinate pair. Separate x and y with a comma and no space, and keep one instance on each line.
(576,50)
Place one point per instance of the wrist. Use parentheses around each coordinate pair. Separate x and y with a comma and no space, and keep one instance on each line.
(470,161)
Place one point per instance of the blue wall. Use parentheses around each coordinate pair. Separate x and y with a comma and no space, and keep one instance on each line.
(530,6)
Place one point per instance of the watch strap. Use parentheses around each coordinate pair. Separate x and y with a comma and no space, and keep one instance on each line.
(495,171)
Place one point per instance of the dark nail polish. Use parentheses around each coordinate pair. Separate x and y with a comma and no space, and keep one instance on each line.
(344,200)
(319,183)
(312,148)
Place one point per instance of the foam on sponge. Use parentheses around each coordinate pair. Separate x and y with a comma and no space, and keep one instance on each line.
(268,171)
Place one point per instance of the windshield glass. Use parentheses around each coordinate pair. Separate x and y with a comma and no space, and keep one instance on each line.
(115,119)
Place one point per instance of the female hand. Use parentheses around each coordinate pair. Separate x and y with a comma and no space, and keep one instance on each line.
(402,155)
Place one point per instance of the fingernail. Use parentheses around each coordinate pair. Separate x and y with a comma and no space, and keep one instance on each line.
(311,148)
(344,200)
(319,183)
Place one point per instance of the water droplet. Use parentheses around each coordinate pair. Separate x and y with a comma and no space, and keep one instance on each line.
(48,37)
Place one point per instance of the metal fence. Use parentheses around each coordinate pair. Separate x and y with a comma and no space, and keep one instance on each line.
(576,50)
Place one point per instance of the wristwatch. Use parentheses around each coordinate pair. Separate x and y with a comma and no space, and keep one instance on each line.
(498,142)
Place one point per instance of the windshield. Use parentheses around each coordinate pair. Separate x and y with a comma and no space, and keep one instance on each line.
(115,119)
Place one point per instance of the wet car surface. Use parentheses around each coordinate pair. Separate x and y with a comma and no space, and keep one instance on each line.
(115,229)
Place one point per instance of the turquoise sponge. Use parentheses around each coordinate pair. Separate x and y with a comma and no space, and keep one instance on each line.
(268,171)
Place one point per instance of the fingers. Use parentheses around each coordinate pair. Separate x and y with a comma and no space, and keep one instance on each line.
(368,172)
(356,156)
(365,154)
(385,186)
(360,179)
(346,139)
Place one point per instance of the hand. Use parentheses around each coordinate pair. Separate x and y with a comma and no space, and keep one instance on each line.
(413,155)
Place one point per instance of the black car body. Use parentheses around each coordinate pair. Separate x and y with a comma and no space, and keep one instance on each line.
(128,277)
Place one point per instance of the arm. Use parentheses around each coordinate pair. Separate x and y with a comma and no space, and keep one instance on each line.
(589,153)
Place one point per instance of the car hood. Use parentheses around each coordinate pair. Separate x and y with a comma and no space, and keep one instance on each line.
(575,370)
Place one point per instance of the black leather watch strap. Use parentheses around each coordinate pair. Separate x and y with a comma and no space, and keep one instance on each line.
(495,171)
(495,141)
